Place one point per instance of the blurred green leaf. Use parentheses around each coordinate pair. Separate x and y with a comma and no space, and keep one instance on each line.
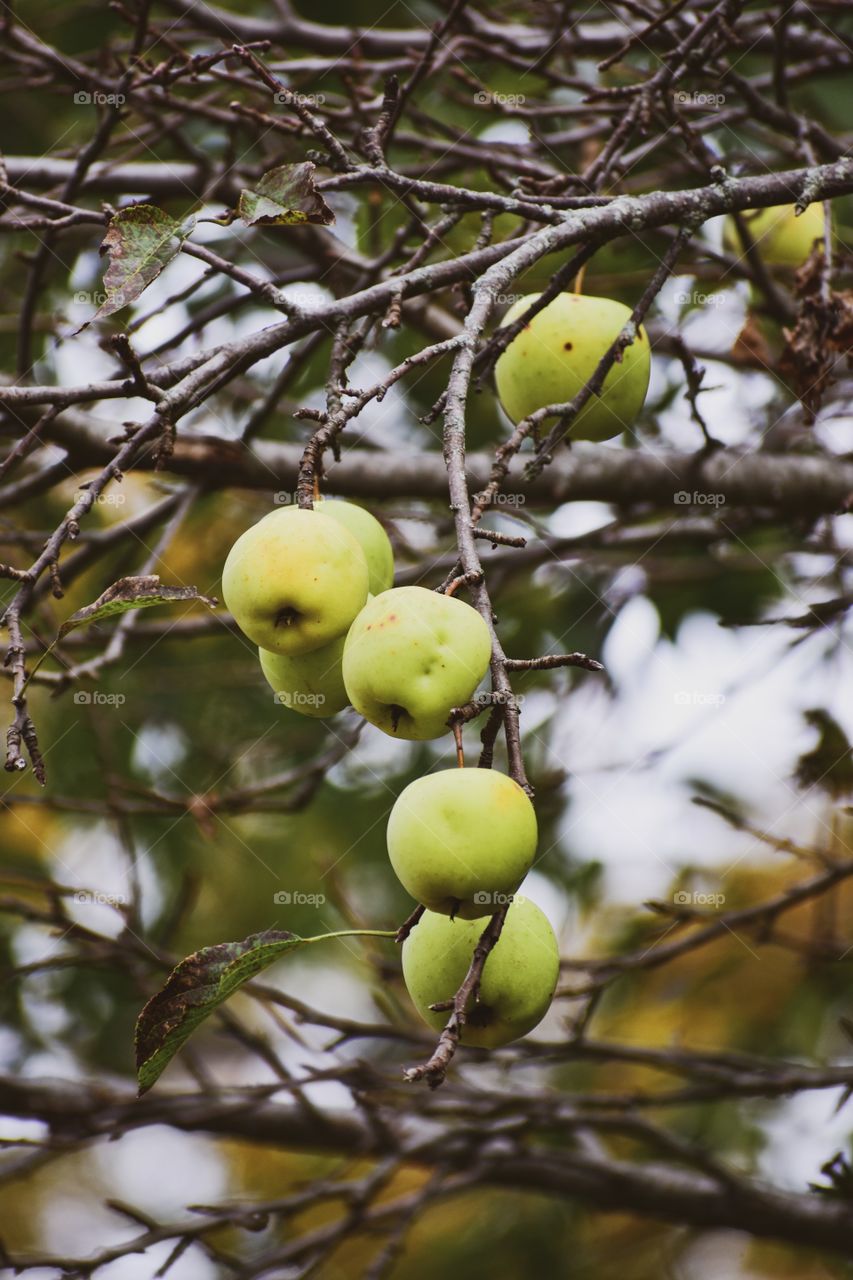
(132,593)
(128,593)
(203,981)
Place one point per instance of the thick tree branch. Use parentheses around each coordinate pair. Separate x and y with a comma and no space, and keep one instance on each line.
(83,1112)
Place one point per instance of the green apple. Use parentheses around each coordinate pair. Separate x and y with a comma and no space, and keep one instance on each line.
(556,354)
(370,536)
(310,683)
(519,976)
(782,238)
(411,656)
(462,840)
(295,581)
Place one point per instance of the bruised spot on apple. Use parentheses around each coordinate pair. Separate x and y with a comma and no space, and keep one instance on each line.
(557,353)
(782,238)
(410,657)
(462,840)
(519,976)
(295,581)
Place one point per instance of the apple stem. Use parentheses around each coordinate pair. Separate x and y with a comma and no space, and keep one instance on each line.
(460,753)
(577,287)
(408,924)
(397,714)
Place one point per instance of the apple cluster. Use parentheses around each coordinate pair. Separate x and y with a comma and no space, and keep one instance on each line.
(461,841)
(313,589)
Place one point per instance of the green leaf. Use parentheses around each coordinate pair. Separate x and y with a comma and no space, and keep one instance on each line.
(285,197)
(203,981)
(128,593)
(140,241)
(131,593)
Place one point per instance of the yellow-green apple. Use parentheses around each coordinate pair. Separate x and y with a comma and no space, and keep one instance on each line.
(558,351)
(310,683)
(410,657)
(782,238)
(462,840)
(295,581)
(370,536)
(519,976)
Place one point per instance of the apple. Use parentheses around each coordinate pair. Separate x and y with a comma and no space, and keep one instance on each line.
(410,657)
(556,354)
(462,840)
(310,683)
(295,581)
(370,536)
(782,238)
(519,976)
